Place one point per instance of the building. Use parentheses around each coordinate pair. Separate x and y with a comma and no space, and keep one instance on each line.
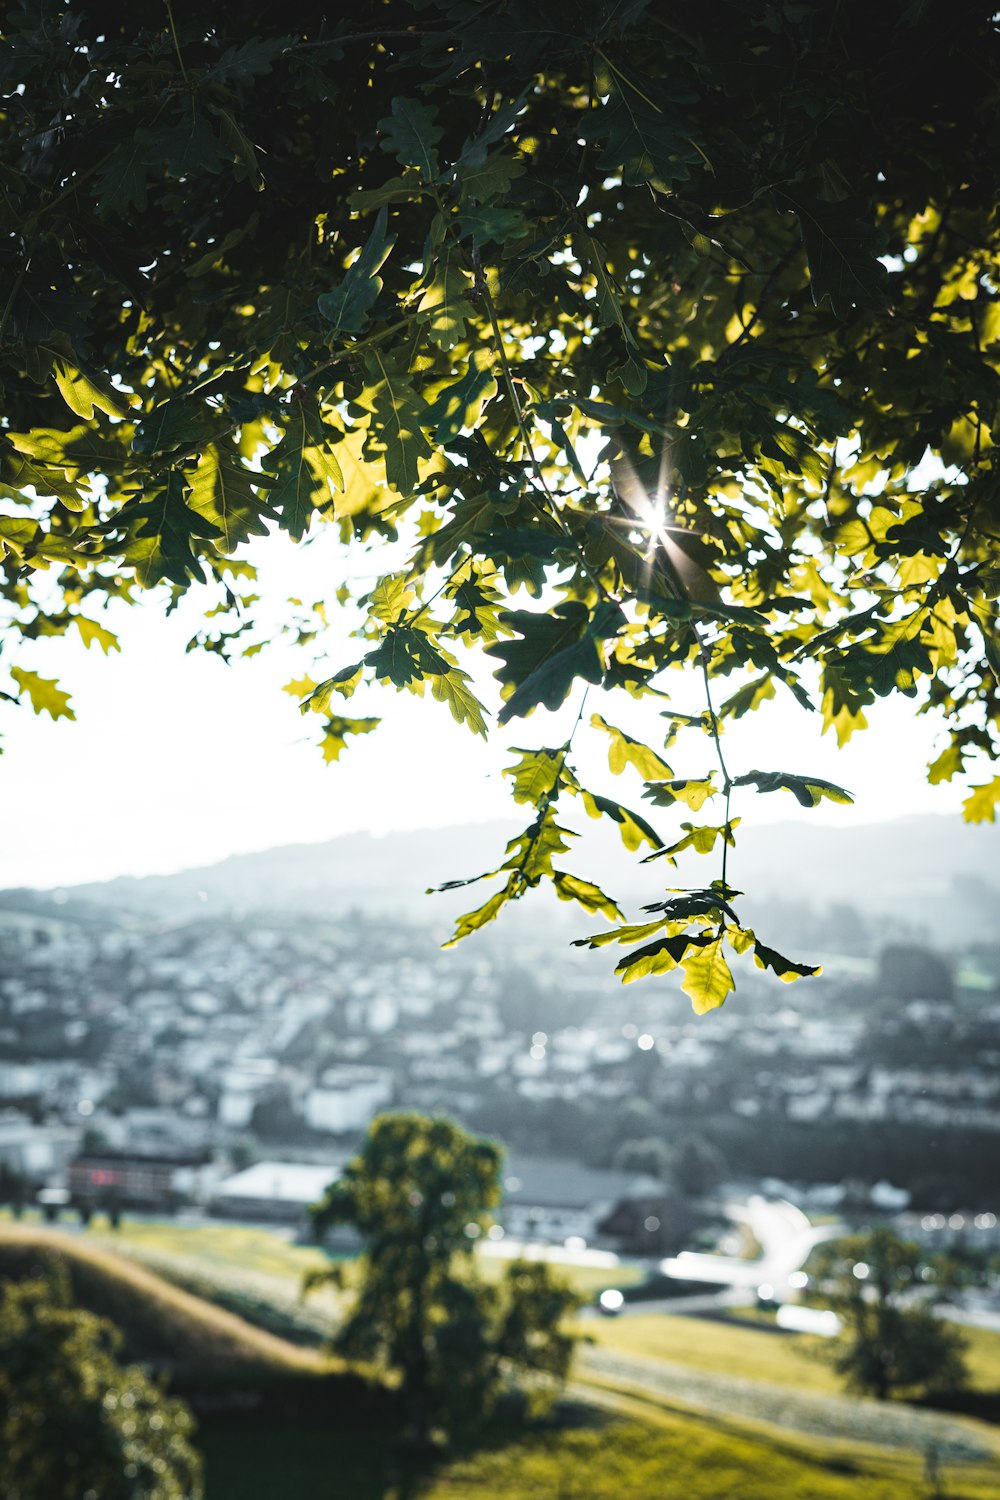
(549,1199)
(125,1179)
(346,1098)
(274,1191)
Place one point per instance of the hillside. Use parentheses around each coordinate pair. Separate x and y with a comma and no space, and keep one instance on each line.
(928,873)
(163,1326)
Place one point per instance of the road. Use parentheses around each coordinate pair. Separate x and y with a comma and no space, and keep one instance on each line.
(785,1236)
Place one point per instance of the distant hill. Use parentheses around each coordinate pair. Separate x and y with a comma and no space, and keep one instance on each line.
(932,874)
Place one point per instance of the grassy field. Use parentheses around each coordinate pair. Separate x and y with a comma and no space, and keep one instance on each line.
(265,1260)
(597,1456)
(163,1325)
(276,1420)
(784,1359)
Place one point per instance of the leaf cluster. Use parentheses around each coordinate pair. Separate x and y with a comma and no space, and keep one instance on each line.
(630,332)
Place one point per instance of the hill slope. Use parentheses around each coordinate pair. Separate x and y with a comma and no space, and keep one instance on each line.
(162,1326)
(931,873)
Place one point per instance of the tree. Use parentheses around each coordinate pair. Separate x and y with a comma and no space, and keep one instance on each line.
(682,322)
(892,1341)
(73,1421)
(914,973)
(420,1193)
(650,1157)
(698,1166)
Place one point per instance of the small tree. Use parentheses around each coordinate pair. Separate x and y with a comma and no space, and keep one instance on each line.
(420,1191)
(73,1421)
(892,1340)
(698,1166)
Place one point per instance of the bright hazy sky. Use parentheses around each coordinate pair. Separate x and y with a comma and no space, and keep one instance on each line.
(177,760)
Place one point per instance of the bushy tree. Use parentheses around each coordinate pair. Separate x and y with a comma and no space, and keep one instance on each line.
(421,1192)
(892,1341)
(680,323)
(74,1423)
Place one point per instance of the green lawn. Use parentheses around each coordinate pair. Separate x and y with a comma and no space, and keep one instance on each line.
(223,1250)
(784,1359)
(610,1458)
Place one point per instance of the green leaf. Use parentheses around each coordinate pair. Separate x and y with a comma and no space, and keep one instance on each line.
(319,695)
(625,751)
(395,434)
(336,730)
(659,957)
(405,189)
(748,698)
(82,392)
(120,183)
(842,249)
(632,933)
(452,688)
(585,894)
(410,134)
(535,774)
(768,958)
(305,469)
(169,534)
(554,649)
(808,791)
(694,791)
(459,405)
(702,840)
(633,828)
(44,692)
(446,307)
(474,920)
(190,148)
(222,492)
(91,632)
(20,472)
(17,533)
(946,765)
(707,976)
(405,656)
(492,223)
(981,804)
(646,139)
(347,307)
(173,424)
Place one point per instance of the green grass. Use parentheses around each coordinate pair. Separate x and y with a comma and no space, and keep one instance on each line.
(601,1457)
(297,1428)
(163,1325)
(722,1348)
(269,1260)
(782,1358)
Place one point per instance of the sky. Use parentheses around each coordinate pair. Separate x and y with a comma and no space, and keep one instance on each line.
(176,760)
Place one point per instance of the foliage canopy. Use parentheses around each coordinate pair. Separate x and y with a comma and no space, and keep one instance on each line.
(680,324)
(892,1342)
(75,1422)
(420,1192)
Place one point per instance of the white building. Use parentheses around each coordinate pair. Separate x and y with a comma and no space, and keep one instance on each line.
(346,1098)
(280,1190)
(242,1086)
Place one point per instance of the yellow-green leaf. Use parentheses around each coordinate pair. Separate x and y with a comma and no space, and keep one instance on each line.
(336,731)
(82,392)
(981,804)
(452,688)
(45,693)
(625,751)
(707,976)
(586,894)
(91,632)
